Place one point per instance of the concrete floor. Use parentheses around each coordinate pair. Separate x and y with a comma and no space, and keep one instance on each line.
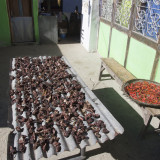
(124,147)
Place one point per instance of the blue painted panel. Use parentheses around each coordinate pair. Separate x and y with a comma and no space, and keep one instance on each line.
(70,5)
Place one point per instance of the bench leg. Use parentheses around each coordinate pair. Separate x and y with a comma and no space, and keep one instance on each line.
(101,71)
(147,117)
(145,127)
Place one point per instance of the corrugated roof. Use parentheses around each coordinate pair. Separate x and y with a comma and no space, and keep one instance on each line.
(67,144)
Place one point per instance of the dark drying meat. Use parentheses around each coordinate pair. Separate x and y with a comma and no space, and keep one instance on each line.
(22,147)
(105,131)
(12,150)
(36,145)
(48,95)
(19,129)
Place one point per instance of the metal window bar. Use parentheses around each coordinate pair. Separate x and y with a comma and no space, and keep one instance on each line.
(147,17)
(106,10)
(149,35)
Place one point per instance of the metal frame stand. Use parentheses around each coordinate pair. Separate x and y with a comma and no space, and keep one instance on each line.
(82,151)
(101,71)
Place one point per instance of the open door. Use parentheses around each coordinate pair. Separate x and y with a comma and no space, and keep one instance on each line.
(21,21)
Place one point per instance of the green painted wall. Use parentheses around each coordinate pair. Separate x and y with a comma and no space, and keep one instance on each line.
(5,37)
(140,59)
(35,20)
(104,32)
(118,46)
(157,76)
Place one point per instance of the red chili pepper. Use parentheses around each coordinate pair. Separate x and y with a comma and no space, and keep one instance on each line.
(144,91)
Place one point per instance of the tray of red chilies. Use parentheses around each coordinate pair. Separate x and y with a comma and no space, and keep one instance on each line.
(143,92)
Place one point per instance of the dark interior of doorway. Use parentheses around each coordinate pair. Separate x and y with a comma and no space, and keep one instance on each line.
(74,22)
(69,24)
(69,30)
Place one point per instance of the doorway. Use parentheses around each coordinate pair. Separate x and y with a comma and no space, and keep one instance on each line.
(72,10)
(21,20)
(68,16)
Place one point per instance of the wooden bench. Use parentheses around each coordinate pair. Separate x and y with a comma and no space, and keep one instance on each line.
(122,75)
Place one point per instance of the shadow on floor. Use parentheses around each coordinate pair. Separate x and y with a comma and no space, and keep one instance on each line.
(69,40)
(127,146)
(6,55)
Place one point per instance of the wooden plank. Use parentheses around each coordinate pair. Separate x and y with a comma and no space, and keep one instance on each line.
(119,72)
(120,28)
(105,21)
(14,8)
(155,65)
(131,23)
(112,22)
(27,9)
(149,42)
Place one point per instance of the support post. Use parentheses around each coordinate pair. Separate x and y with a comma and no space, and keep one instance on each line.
(155,65)
(83,150)
(131,24)
(112,24)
